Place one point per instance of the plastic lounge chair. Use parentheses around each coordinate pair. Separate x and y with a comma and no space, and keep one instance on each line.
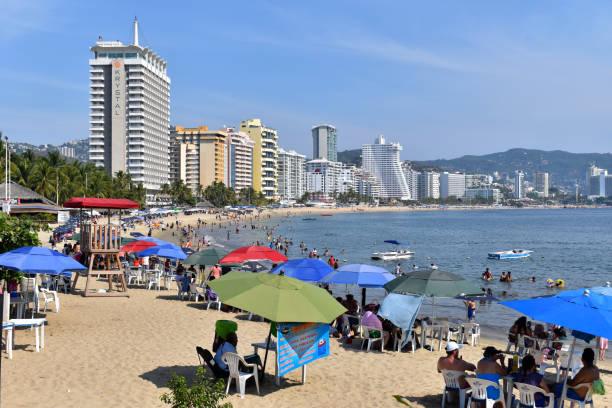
(153,279)
(451,379)
(588,398)
(479,392)
(206,357)
(527,395)
(366,338)
(233,362)
(48,296)
(30,292)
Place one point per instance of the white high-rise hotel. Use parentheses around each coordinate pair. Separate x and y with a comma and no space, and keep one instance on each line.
(130,111)
(382,160)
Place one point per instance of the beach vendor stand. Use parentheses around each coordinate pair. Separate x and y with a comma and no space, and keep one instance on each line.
(101,240)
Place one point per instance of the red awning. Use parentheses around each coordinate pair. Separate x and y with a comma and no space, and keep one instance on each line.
(87,202)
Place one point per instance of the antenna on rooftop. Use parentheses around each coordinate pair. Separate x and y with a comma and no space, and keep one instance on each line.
(136,31)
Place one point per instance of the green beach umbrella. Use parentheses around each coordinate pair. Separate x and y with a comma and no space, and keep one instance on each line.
(432,283)
(208,256)
(277,297)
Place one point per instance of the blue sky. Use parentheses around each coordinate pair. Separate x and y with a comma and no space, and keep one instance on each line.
(442,78)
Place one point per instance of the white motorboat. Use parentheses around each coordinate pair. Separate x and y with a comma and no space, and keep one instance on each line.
(513,254)
(395,254)
(392,255)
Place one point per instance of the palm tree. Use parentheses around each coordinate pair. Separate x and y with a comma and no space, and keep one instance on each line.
(43,179)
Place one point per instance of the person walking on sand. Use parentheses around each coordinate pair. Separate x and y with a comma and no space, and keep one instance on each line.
(602,344)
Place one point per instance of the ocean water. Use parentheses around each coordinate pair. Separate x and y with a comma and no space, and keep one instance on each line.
(570,244)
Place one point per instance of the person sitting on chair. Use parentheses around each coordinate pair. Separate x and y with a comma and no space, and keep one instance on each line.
(453,362)
(489,369)
(229,346)
(529,375)
(587,374)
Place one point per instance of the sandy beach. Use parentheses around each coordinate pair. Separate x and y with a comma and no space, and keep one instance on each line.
(102,352)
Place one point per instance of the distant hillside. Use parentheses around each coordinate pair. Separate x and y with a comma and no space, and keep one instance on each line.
(80,147)
(565,168)
(350,156)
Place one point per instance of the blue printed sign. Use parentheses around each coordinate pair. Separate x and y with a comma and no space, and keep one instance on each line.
(300,344)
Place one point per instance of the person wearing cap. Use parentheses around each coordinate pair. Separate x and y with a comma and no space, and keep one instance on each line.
(453,362)
(490,369)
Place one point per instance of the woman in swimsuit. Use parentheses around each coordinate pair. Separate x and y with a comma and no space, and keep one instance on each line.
(489,369)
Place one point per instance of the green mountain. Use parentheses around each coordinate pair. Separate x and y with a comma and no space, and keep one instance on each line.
(350,157)
(565,168)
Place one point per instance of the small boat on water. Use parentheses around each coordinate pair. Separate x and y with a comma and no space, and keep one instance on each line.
(513,254)
(309,219)
(395,254)
(326,215)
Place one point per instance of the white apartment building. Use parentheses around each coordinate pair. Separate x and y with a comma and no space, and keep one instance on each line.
(264,156)
(239,163)
(452,185)
(322,177)
(324,143)
(541,184)
(130,111)
(366,184)
(383,161)
(411,176)
(290,174)
(477,180)
(66,151)
(428,185)
(492,194)
(347,180)
(519,187)
(598,182)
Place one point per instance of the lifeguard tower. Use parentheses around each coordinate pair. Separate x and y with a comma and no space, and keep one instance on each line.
(100,244)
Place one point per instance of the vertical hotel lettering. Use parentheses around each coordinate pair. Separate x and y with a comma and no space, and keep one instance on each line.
(118,120)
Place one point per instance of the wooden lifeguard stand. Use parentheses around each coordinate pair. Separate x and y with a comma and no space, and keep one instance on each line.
(101,240)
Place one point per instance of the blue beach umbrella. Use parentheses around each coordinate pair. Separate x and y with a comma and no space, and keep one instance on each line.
(165,251)
(304,269)
(39,260)
(365,276)
(586,310)
(583,310)
(401,310)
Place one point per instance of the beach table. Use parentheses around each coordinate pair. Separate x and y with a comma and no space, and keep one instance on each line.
(272,347)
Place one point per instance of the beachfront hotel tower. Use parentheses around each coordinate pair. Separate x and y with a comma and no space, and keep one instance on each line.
(541,183)
(290,175)
(324,143)
(264,156)
(239,168)
(129,111)
(383,161)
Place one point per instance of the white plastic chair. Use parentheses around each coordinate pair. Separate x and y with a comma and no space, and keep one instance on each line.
(399,340)
(216,302)
(451,380)
(7,325)
(562,362)
(233,361)
(49,296)
(59,282)
(153,279)
(194,292)
(29,290)
(588,398)
(366,337)
(527,395)
(469,331)
(479,391)
(134,275)
(542,363)
(523,348)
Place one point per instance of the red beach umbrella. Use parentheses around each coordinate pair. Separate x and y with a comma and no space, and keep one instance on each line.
(137,246)
(253,253)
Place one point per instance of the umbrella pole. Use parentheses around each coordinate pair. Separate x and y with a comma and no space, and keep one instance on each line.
(569,364)
(263,370)
(363,298)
